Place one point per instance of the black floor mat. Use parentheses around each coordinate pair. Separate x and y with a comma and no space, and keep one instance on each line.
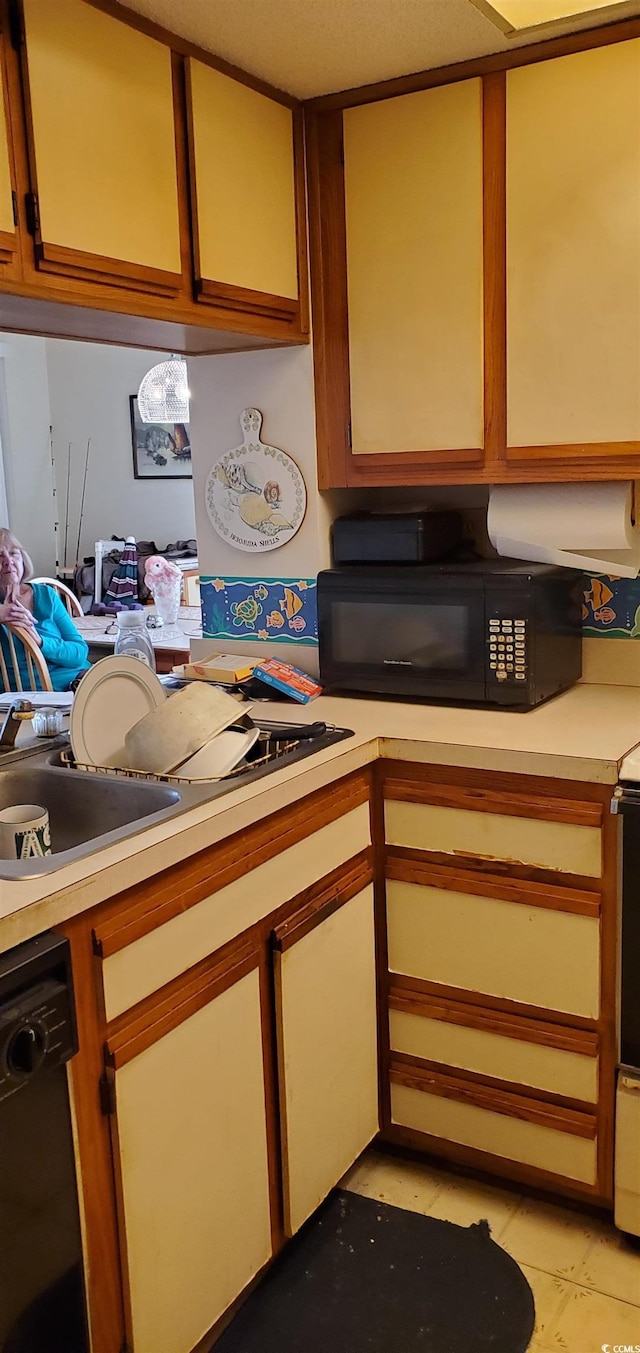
(363,1277)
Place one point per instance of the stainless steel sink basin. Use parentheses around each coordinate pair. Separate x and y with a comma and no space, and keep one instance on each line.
(82,807)
(88,812)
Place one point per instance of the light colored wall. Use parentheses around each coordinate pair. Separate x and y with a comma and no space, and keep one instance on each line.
(280,384)
(24,429)
(89,387)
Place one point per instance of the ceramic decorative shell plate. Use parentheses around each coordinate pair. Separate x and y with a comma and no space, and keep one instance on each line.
(255,495)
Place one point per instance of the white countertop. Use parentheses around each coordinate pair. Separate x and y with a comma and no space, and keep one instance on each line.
(582,735)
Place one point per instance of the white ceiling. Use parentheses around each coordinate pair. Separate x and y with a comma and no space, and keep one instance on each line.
(310,47)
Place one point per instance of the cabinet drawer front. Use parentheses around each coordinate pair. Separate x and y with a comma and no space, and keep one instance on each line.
(497,1134)
(133,973)
(244,171)
(540,957)
(103,125)
(413,190)
(193,1155)
(492,1054)
(326,1011)
(495,836)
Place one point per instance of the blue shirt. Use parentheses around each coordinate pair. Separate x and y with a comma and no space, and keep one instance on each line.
(63,649)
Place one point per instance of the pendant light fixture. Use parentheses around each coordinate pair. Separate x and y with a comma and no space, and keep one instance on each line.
(163,396)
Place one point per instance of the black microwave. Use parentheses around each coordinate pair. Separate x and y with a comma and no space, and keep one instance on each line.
(495,632)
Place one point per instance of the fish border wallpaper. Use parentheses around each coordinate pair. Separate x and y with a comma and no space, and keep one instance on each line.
(610,607)
(270,610)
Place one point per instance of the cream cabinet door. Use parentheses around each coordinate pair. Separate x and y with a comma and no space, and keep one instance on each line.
(8,201)
(413,190)
(573,224)
(192,1139)
(243,186)
(102,147)
(327,1041)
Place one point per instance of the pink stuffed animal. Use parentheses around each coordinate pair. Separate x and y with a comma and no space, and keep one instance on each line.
(164,581)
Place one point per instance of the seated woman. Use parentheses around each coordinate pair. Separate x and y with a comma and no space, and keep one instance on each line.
(38,609)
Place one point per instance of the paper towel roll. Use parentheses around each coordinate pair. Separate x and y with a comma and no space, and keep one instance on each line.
(587,526)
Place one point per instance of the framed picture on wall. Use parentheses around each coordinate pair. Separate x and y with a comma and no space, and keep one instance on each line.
(160,450)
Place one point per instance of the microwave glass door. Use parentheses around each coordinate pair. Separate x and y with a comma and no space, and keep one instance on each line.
(407,644)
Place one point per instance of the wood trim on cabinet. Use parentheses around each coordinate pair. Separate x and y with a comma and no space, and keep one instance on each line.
(522,1028)
(422,987)
(328,277)
(573,812)
(573,451)
(164,1010)
(499,869)
(323,899)
(94,1150)
(499,782)
(88,267)
(578,902)
(144,907)
(483,65)
(494,210)
(484,1096)
(437,1149)
(226,296)
(411,1062)
(300,186)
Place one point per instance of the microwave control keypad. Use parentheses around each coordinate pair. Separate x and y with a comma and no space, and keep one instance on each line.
(508,649)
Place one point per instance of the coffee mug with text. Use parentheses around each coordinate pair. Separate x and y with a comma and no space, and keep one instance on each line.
(24,832)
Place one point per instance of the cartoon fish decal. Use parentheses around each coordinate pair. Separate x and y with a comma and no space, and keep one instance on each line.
(261,592)
(605,614)
(275,620)
(585,611)
(292,603)
(297,623)
(599,594)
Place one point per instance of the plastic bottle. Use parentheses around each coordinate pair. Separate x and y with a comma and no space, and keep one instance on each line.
(133,639)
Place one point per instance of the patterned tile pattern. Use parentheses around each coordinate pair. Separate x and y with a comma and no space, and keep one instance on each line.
(584,1275)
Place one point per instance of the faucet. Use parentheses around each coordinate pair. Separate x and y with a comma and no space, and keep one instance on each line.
(15,715)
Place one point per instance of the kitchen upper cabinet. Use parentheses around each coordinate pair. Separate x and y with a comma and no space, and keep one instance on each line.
(9,248)
(245,153)
(573,225)
(476,276)
(102,148)
(325,981)
(191,1141)
(413,200)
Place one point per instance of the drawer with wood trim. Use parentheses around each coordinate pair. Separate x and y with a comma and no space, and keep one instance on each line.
(148,937)
(459,932)
(483,820)
(522,1052)
(500,1125)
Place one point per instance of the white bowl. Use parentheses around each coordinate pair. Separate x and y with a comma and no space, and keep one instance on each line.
(219,756)
(179,727)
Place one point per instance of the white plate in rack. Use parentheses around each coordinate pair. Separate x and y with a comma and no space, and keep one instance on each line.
(113,696)
(220,756)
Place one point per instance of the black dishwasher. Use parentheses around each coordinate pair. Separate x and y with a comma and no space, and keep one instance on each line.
(42,1301)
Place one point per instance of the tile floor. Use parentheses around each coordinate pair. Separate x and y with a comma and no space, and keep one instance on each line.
(584,1277)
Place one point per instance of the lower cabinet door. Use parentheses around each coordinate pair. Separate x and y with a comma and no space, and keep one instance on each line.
(327,1041)
(192,1140)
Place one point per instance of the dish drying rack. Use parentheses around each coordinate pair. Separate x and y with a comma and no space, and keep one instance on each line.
(270,749)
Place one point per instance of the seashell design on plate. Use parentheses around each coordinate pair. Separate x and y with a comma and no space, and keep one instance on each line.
(256,496)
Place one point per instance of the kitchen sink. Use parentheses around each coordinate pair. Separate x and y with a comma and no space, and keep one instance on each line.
(91,810)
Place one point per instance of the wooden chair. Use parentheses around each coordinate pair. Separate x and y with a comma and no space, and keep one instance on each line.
(68,597)
(37,671)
